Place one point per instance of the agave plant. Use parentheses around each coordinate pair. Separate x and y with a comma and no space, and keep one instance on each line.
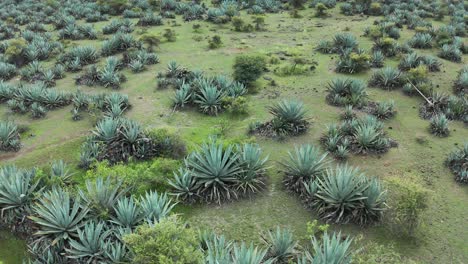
(17,188)
(368,137)
(243,254)
(374,204)
(90,244)
(282,248)
(253,168)
(184,185)
(155,206)
(439,126)
(457,161)
(102,195)
(347,92)
(9,136)
(107,129)
(304,164)
(209,99)
(127,213)
(384,110)
(388,78)
(60,173)
(332,249)
(289,117)
(58,216)
(421,41)
(182,96)
(340,194)
(217,249)
(451,53)
(216,171)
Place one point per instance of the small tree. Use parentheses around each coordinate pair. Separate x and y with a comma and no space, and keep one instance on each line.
(151,40)
(170,35)
(168,241)
(320,10)
(238,24)
(14,52)
(259,22)
(215,42)
(409,202)
(248,68)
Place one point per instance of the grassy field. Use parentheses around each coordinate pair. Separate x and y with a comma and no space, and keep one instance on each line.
(443,237)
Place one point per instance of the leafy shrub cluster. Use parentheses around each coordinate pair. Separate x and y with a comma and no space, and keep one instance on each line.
(217,173)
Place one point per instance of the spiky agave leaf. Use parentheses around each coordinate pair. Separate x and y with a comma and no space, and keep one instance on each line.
(58,216)
(374,204)
(217,249)
(340,194)
(60,173)
(281,245)
(243,254)
(102,195)
(253,168)
(209,99)
(90,244)
(155,206)
(332,249)
(216,170)
(9,136)
(304,164)
(127,213)
(17,188)
(184,185)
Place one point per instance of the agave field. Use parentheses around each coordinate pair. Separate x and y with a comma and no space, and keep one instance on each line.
(229,131)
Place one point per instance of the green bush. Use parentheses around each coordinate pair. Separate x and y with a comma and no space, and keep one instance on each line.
(215,42)
(248,68)
(167,242)
(143,176)
(409,200)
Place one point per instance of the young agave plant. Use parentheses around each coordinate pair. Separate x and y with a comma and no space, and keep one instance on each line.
(182,96)
(58,216)
(90,244)
(127,213)
(304,164)
(9,136)
(384,110)
(102,195)
(388,78)
(289,117)
(253,168)
(184,186)
(60,173)
(155,206)
(457,161)
(439,126)
(332,249)
(282,248)
(243,254)
(374,204)
(217,248)
(17,188)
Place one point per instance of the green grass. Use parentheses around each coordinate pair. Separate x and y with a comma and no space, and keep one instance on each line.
(443,237)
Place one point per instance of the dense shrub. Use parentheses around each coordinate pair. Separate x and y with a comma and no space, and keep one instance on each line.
(169,241)
(248,68)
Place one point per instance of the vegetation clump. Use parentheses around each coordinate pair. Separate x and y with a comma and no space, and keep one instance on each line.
(289,119)
(457,161)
